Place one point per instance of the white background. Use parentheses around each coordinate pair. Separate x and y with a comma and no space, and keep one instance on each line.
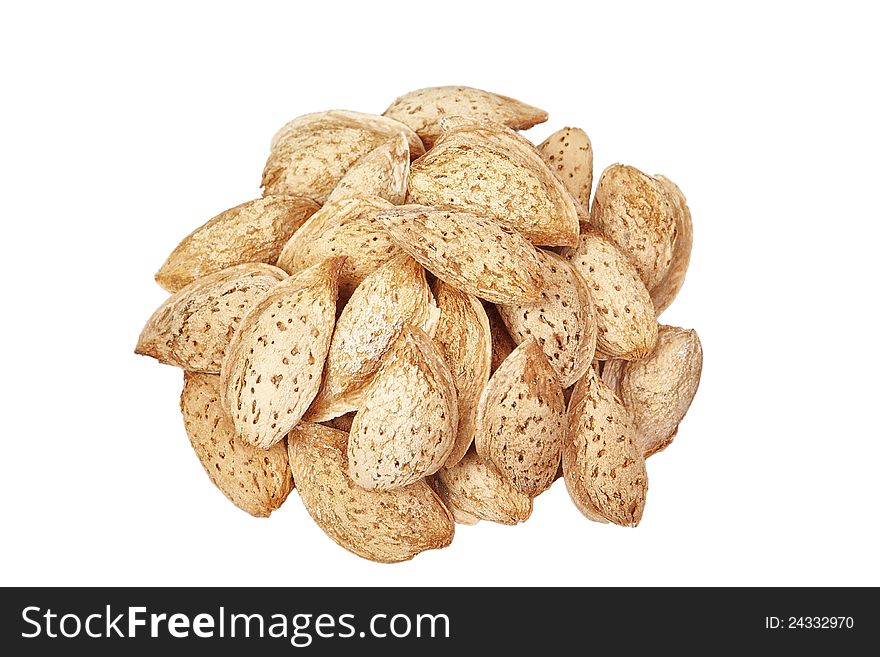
(124,128)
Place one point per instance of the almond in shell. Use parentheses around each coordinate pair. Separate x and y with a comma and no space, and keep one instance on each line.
(667,289)
(394,296)
(602,461)
(563,322)
(272,369)
(194,326)
(569,154)
(521,420)
(255,480)
(382,172)
(464,339)
(422,109)
(251,232)
(659,389)
(405,427)
(311,154)
(384,526)
(493,172)
(472,253)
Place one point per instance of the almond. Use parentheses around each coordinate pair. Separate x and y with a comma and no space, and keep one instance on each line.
(273,364)
(464,339)
(659,389)
(502,343)
(602,462)
(344,227)
(382,172)
(635,213)
(194,326)
(422,109)
(251,232)
(475,488)
(625,319)
(385,526)
(394,296)
(255,480)
(311,154)
(563,322)
(471,253)
(667,289)
(521,420)
(405,427)
(569,154)
(491,171)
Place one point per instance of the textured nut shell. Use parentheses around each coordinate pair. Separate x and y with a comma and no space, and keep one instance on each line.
(521,420)
(312,153)
(193,327)
(422,110)
(251,232)
(382,172)
(563,322)
(471,253)
(569,154)
(272,368)
(254,479)
(464,339)
(384,526)
(493,172)
(601,455)
(405,428)
(476,488)
(667,289)
(635,212)
(346,227)
(502,343)
(393,296)
(625,318)
(658,390)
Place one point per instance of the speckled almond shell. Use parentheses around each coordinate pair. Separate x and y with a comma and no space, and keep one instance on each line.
(602,461)
(664,293)
(255,480)
(384,526)
(394,296)
(405,427)
(464,339)
(474,254)
(273,365)
(475,488)
(502,343)
(382,172)
(251,232)
(521,420)
(346,227)
(635,213)
(569,154)
(311,154)
(493,172)
(563,322)
(625,319)
(658,390)
(194,326)
(423,109)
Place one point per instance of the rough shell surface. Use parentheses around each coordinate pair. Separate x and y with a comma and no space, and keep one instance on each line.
(664,293)
(392,297)
(255,480)
(194,326)
(273,365)
(311,154)
(385,526)
(464,339)
(422,110)
(405,427)
(251,232)
(471,253)
(569,154)
(521,420)
(382,172)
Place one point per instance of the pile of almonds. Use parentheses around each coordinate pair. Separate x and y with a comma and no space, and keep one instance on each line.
(382,328)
